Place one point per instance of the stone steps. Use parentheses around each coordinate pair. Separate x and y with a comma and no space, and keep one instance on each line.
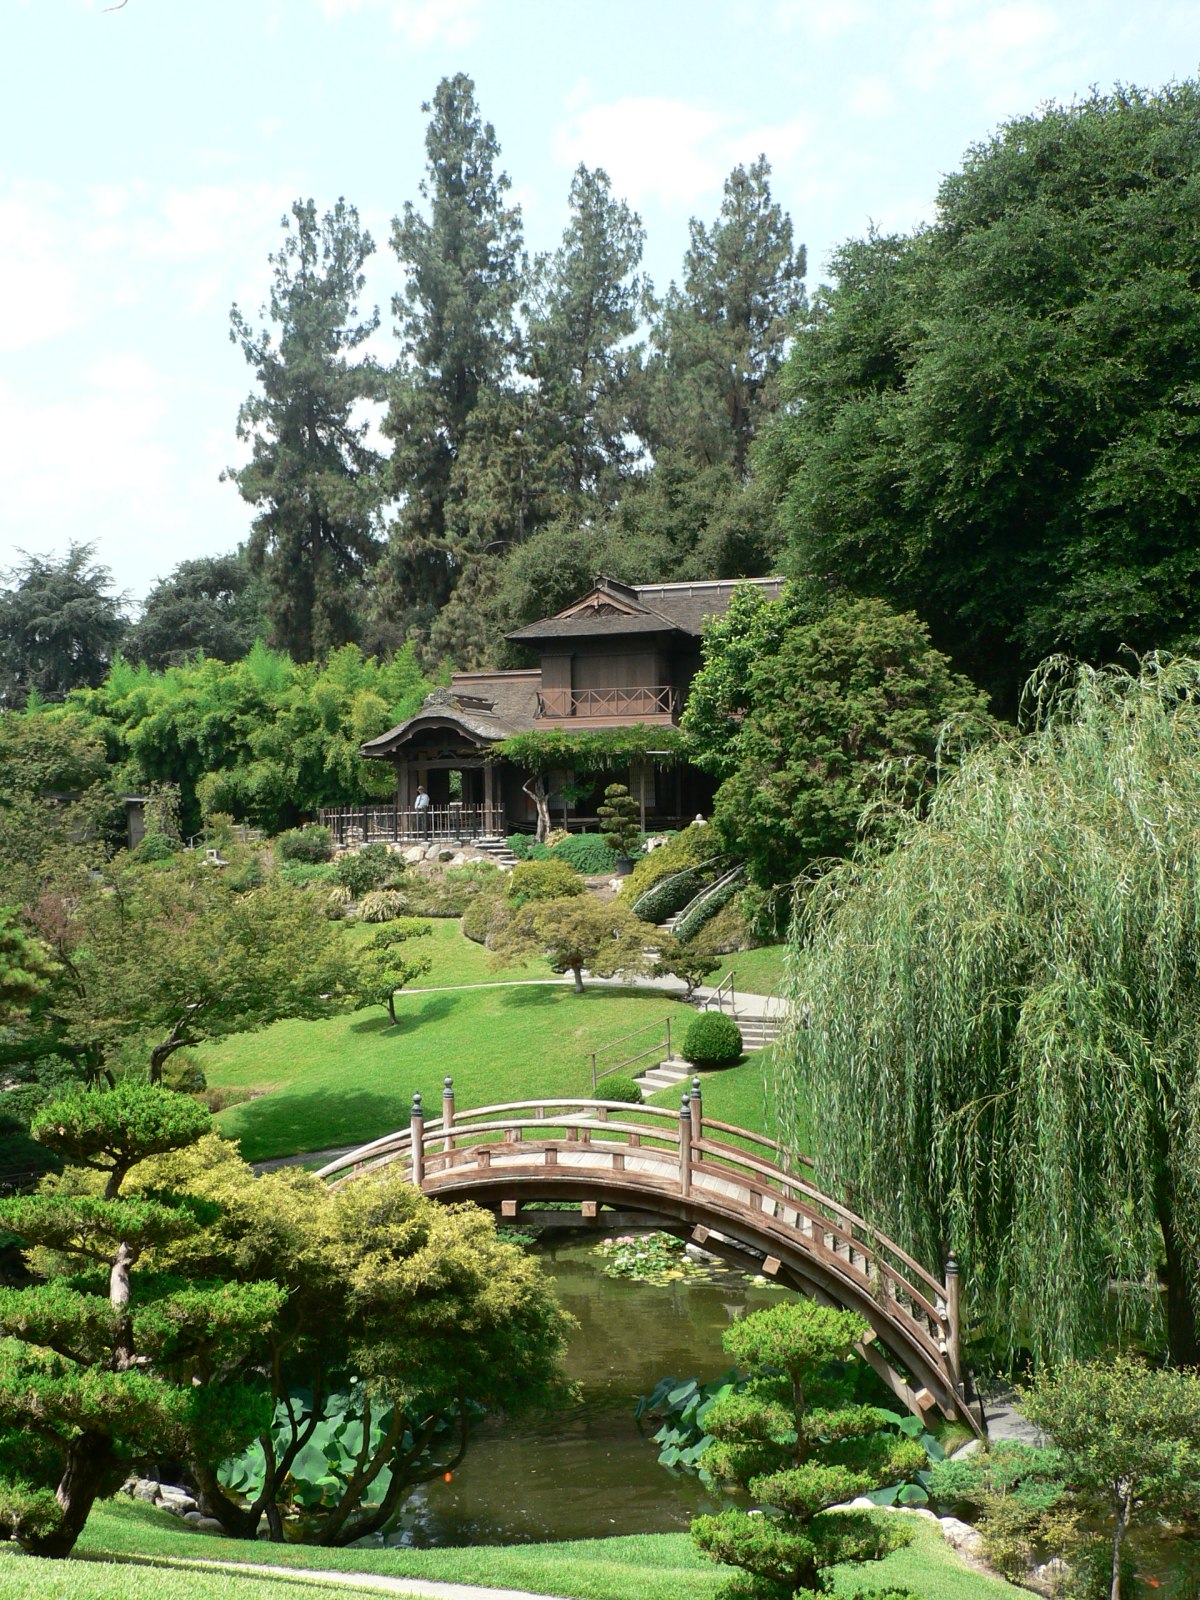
(666,1075)
(496,849)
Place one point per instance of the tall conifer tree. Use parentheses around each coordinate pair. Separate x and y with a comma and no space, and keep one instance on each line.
(455,315)
(311,473)
(584,309)
(722,334)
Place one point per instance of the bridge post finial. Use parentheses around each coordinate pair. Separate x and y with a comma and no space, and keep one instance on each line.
(953,1320)
(697,1111)
(685,1144)
(448,1114)
(417,1129)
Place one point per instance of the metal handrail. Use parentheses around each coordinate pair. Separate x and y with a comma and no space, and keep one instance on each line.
(718,995)
(640,1055)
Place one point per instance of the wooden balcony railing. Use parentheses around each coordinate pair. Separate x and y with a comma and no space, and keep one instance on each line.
(654,700)
(351,825)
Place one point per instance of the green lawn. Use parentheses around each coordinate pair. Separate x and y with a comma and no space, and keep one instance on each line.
(754,971)
(454,958)
(738,1094)
(351,1078)
(649,1566)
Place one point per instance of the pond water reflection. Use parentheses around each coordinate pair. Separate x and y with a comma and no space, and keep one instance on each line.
(586,1471)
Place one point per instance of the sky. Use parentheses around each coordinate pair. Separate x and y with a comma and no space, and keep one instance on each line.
(149,151)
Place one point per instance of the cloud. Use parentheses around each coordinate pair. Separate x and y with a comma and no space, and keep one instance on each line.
(992,45)
(654,148)
(73,255)
(41,287)
(422,23)
(872,97)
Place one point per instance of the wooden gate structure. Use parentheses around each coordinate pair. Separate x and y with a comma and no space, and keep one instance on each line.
(720,1186)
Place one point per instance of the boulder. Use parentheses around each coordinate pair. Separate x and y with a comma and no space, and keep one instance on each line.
(968,1541)
(414,853)
(966,1451)
(146,1489)
(177,1500)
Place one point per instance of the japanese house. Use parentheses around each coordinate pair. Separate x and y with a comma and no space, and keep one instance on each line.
(622,655)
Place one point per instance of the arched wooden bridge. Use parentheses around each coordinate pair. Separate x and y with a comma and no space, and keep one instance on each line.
(718,1185)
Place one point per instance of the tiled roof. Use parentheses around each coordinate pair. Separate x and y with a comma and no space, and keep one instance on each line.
(643,608)
(480,716)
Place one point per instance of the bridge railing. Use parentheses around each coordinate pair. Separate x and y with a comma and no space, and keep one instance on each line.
(672,1152)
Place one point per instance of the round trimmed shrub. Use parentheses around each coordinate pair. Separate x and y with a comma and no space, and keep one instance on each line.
(382,905)
(311,845)
(619,1088)
(367,869)
(542,880)
(712,1040)
(155,847)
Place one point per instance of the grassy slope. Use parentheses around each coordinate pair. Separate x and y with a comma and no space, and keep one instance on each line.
(351,1078)
(754,971)
(650,1566)
(738,1094)
(453,958)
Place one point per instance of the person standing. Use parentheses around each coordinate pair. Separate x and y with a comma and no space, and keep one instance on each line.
(421,807)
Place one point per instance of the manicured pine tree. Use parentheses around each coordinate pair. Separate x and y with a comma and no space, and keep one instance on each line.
(104,1367)
(312,475)
(794,1439)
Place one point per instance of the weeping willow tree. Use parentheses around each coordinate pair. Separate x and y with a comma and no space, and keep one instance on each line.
(997,1049)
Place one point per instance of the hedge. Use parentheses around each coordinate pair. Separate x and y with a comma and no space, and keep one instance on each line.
(706,905)
(669,895)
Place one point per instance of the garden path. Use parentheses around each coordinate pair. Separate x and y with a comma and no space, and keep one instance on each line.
(374,1582)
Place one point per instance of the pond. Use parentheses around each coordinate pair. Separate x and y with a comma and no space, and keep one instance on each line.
(587,1471)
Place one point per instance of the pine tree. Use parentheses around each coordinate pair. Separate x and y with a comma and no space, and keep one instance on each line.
(584,308)
(312,474)
(104,1367)
(722,335)
(456,318)
(795,1439)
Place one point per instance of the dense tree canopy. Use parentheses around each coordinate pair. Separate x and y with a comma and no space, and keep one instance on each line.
(807,723)
(994,421)
(1000,1056)
(311,474)
(421,1306)
(264,739)
(155,958)
(211,606)
(60,625)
